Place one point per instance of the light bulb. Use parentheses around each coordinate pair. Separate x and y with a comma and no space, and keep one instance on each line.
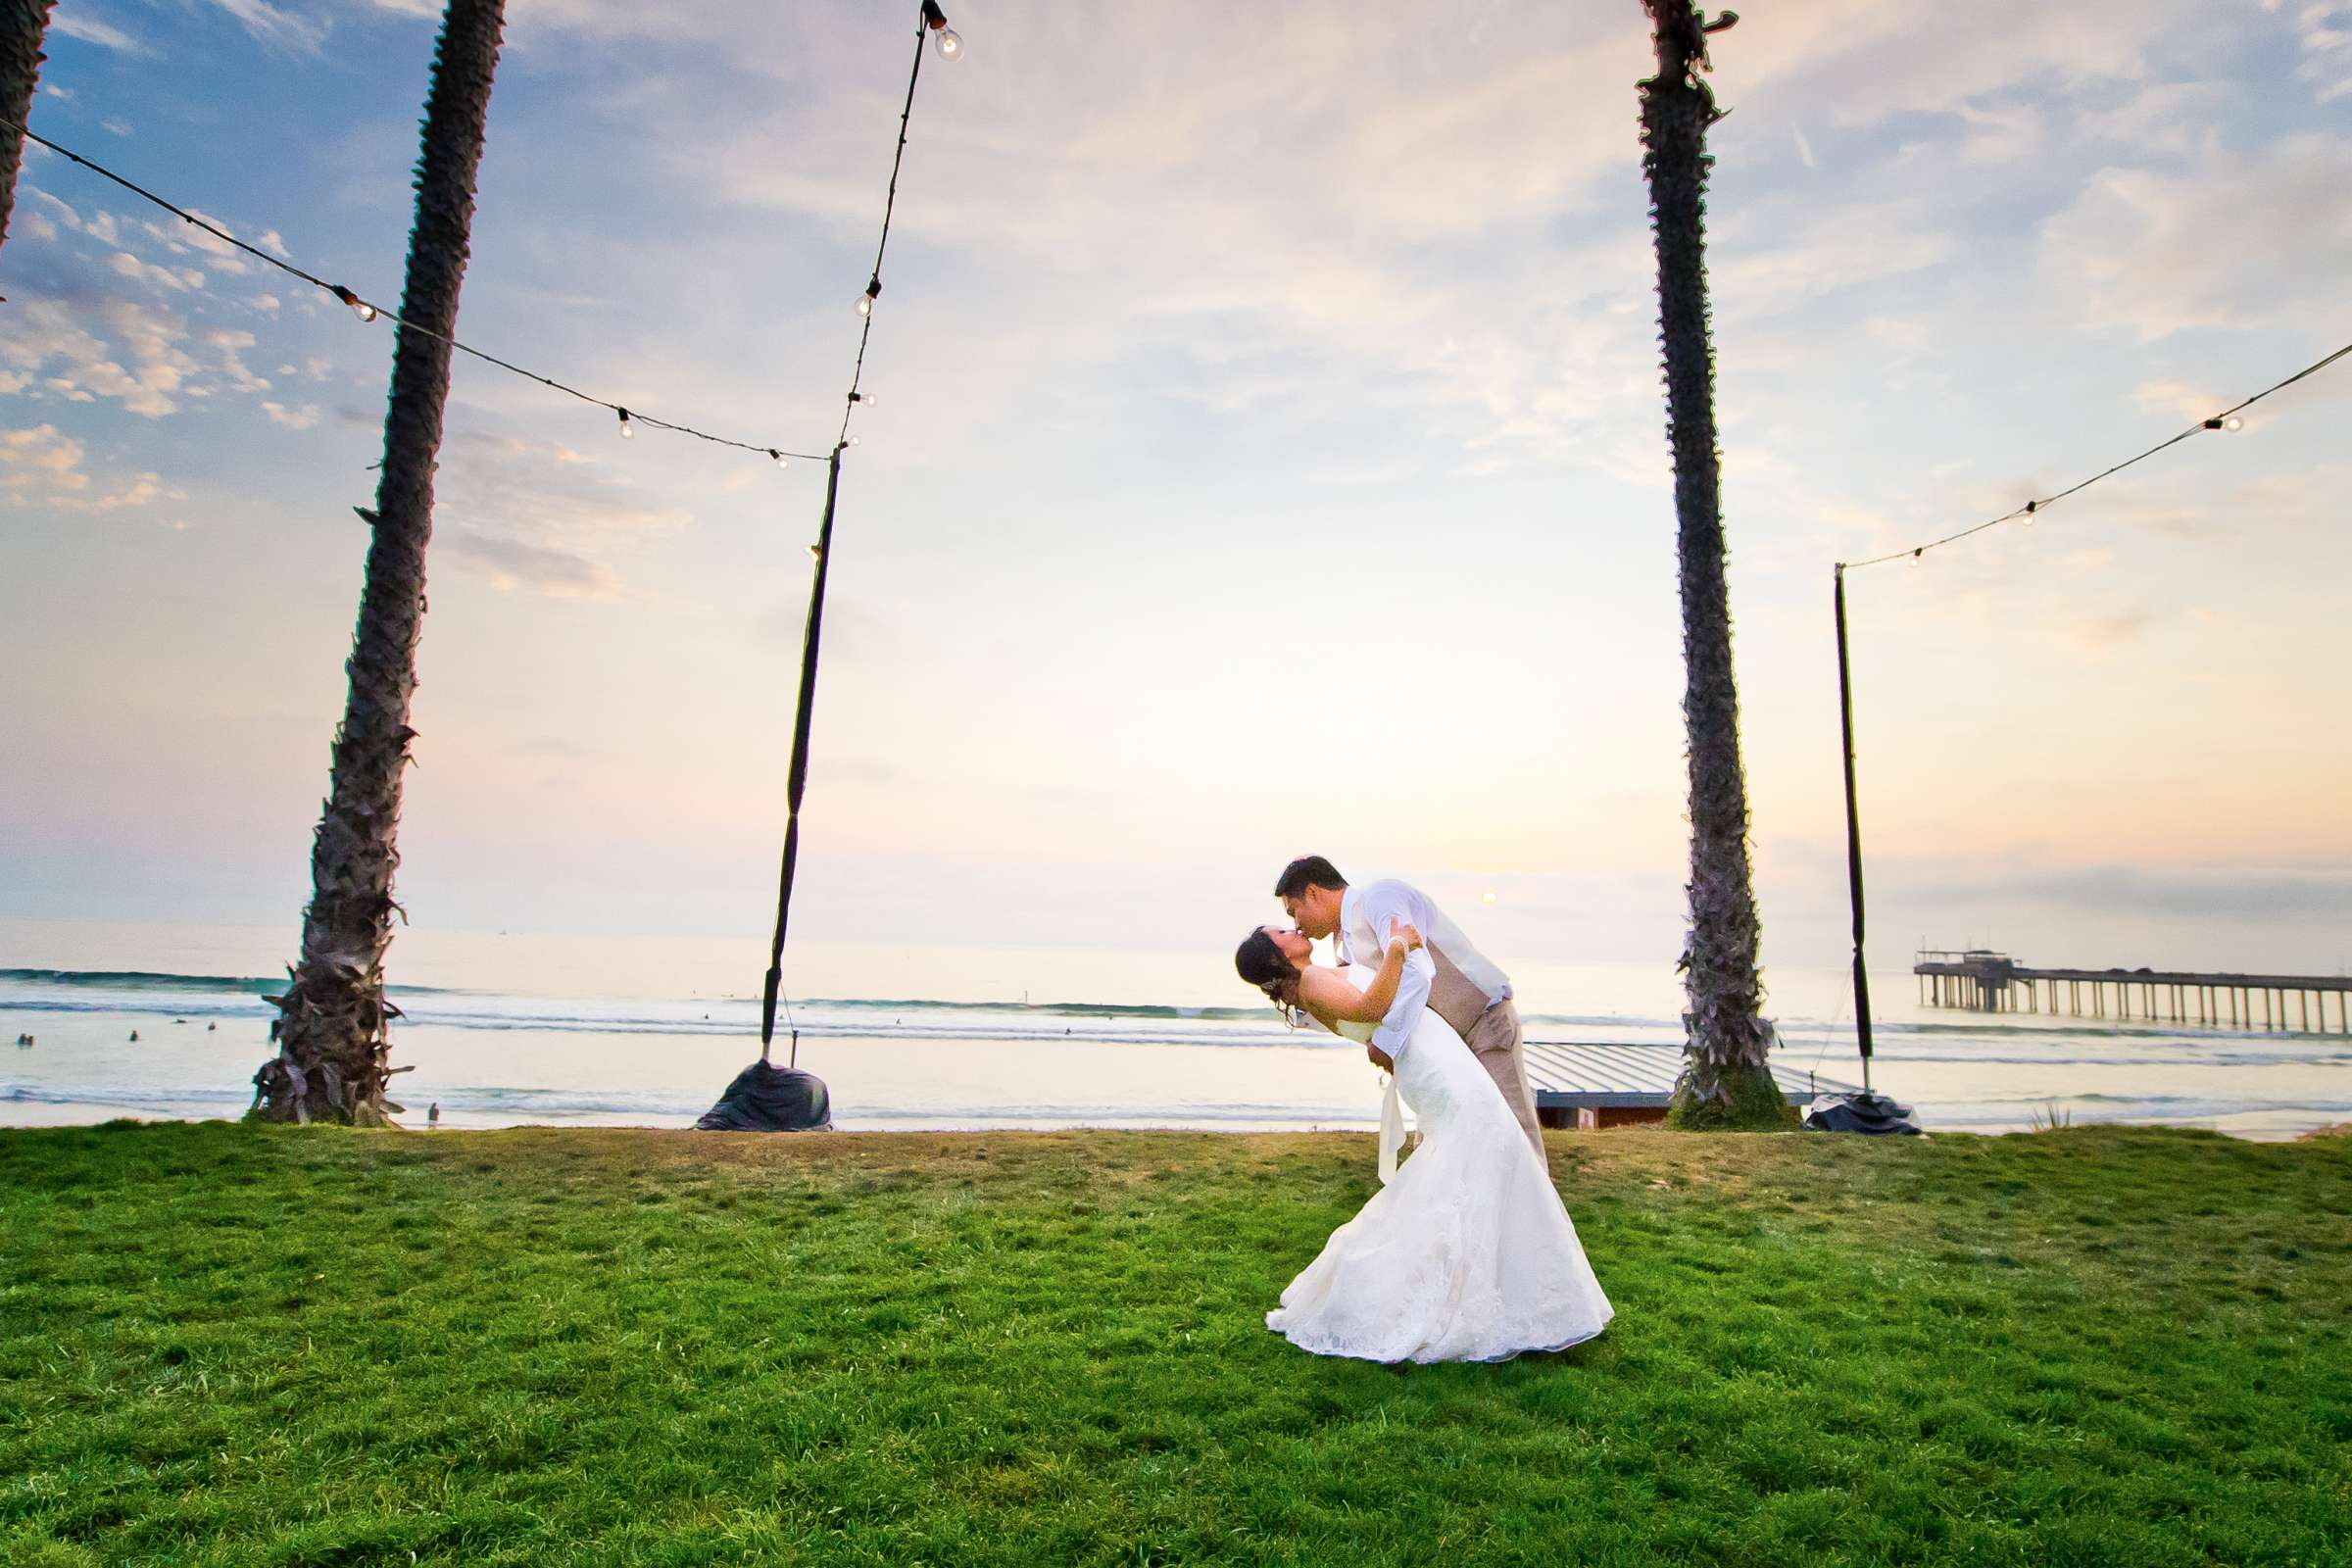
(815,552)
(1485,897)
(950,41)
(782,462)
(358,307)
(867,399)
(629,428)
(865,301)
(2032,507)
(852,441)
(1916,554)
(2234,422)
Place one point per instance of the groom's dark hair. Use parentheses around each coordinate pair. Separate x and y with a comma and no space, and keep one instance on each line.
(1308,871)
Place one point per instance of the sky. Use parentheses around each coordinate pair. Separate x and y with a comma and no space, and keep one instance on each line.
(1268,458)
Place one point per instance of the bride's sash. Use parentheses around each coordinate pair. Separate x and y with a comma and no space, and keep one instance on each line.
(1392,1131)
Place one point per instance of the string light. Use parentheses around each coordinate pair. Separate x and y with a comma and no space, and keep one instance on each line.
(865,399)
(2228,419)
(367,312)
(782,462)
(873,291)
(948,41)
(627,430)
(358,307)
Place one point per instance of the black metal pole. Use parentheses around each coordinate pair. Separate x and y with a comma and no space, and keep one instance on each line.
(1853,836)
(799,778)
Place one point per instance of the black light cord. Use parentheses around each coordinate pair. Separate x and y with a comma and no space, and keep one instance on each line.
(890,204)
(2217,421)
(371,310)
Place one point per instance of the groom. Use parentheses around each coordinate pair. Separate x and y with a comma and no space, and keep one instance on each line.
(1458,984)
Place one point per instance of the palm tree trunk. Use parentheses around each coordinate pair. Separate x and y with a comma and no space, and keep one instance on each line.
(333,1054)
(24,24)
(1725,1081)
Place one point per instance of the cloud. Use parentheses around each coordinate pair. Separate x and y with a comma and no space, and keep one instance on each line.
(76,22)
(2193,893)
(538,516)
(55,207)
(2324,31)
(2003,134)
(278,28)
(50,343)
(302,418)
(516,563)
(229,345)
(180,280)
(42,456)
(1858,243)
(1288,191)
(2239,239)
(2101,637)
(41,467)
(2178,400)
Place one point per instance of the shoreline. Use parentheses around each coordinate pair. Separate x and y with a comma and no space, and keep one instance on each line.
(63,1116)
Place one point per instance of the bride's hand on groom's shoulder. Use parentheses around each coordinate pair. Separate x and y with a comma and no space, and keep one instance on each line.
(1381,1059)
(1403,931)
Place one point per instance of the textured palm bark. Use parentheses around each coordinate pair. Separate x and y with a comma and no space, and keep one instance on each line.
(333,1051)
(1724,1039)
(24,24)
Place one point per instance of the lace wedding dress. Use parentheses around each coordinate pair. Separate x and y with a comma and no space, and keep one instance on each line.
(1468,1253)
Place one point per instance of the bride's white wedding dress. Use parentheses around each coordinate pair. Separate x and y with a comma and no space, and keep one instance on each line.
(1468,1253)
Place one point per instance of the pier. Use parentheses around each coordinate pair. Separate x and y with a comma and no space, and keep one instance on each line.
(1983,981)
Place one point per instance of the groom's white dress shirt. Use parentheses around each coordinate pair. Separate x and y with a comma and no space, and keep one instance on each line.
(1369,912)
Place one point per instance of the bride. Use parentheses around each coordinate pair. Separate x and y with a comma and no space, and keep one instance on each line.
(1468,1255)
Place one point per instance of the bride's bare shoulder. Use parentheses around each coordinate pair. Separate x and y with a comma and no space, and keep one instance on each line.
(1321,980)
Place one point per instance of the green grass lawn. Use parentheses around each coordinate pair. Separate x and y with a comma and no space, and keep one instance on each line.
(240,1345)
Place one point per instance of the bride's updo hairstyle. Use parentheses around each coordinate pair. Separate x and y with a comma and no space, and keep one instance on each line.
(1260,962)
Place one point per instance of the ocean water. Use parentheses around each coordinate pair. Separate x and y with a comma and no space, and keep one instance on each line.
(632,1031)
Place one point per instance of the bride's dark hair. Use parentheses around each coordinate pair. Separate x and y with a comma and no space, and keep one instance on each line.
(1260,962)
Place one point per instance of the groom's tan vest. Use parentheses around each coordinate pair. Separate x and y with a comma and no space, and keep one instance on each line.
(1452,996)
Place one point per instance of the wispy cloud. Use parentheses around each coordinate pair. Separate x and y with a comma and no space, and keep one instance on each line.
(2237,239)
(75,20)
(2324,29)
(540,517)
(280,29)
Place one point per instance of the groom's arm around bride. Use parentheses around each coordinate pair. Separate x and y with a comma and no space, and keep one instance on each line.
(1449,975)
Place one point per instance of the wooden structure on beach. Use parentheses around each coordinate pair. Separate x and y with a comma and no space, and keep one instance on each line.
(1984,981)
(1618,1083)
